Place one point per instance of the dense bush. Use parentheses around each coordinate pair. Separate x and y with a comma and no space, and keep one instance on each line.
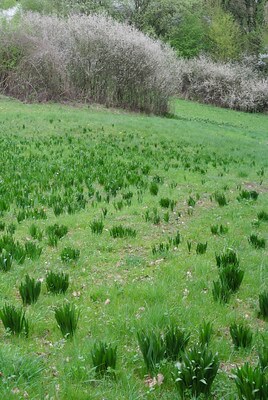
(90,58)
(230,85)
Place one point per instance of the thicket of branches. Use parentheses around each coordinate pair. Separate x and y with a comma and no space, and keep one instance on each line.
(68,51)
(230,85)
(89,58)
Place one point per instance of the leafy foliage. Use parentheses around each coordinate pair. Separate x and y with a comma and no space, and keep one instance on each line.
(263,304)
(67,319)
(57,282)
(255,241)
(196,372)
(241,335)
(69,254)
(175,340)
(251,383)
(29,290)
(14,320)
(97,226)
(120,231)
(152,347)
(201,248)
(104,357)
(205,333)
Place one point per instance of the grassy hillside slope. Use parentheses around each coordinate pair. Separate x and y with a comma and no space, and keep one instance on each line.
(158,177)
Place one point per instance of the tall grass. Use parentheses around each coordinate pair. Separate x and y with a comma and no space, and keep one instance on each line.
(89,58)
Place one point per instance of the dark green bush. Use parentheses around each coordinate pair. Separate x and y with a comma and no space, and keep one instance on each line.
(255,241)
(152,347)
(220,292)
(205,333)
(36,232)
(196,372)
(241,335)
(221,199)
(251,383)
(29,290)
(154,188)
(14,320)
(104,358)
(97,226)
(248,195)
(231,277)
(55,233)
(119,231)
(228,257)
(263,357)
(32,250)
(262,216)
(57,282)
(5,261)
(263,303)
(175,341)
(69,254)
(67,319)
(201,248)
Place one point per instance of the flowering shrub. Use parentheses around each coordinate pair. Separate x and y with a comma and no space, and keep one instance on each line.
(89,58)
(229,85)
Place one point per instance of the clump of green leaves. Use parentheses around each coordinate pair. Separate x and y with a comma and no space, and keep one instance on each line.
(189,245)
(165,202)
(248,195)
(160,248)
(33,251)
(231,277)
(201,248)
(29,290)
(152,347)
(120,231)
(14,320)
(221,199)
(104,357)
(227,257)
(166,217)
(175,241)
(220,292)
(55,233)
(57,282)
(196,372)
(67,319)
(263,357)
(255,241)
(191,202)
(241,335)
(263,304)
(251,383)
(154,188)
(97,226)
(175,341)
(5,261)
(205,333)
(218,229)
(69,254)
(36,232)
(262,216)
(11,228)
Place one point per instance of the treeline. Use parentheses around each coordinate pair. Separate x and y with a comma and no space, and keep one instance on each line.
(224,29)
(118,53)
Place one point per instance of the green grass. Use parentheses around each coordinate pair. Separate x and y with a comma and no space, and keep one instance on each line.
(5,4)
(80,161)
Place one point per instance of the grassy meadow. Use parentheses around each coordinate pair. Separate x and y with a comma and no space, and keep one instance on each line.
(136,197)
